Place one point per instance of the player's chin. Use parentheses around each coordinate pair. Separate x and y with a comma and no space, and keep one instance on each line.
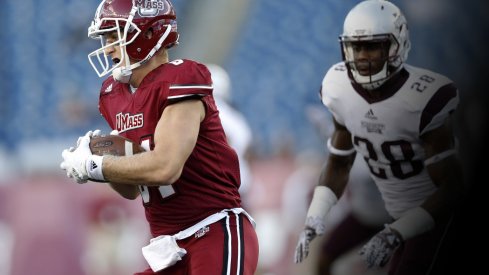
(363,72)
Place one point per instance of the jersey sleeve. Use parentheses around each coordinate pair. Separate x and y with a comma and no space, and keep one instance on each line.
(330,92)
(192,80)
(440,106)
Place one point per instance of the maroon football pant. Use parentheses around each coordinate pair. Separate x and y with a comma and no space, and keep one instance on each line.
(349,233)
(230,246)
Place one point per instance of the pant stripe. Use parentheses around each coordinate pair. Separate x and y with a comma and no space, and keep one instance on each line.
(228,251)
(226,268)
(241,246)
(238,235)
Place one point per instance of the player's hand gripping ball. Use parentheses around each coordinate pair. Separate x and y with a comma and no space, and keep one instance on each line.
(114,145)
(84,162)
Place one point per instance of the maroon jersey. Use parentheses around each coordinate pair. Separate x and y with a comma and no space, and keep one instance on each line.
(210,177)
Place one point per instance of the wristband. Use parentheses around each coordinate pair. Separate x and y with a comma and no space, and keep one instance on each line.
(322,200)
(94,167)
(339,152)
(414,222)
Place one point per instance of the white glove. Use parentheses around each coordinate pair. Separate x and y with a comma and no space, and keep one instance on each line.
(79,163)
(313,228)
(378,251)
(322,201)
(95,133)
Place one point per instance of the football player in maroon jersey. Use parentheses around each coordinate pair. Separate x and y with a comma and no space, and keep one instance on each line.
(189,177)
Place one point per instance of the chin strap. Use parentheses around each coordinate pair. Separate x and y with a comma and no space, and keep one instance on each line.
(124,74)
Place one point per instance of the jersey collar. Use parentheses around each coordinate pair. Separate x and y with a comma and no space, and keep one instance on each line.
(388,89)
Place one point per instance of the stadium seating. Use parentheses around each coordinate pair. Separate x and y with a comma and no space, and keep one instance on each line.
(277,63)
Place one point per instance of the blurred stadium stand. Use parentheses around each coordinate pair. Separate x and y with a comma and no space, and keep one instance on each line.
(276,55)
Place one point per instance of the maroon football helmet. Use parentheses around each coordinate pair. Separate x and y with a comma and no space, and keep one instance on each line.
(131,20)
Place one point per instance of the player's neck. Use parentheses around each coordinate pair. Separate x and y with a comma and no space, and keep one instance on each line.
(140,73)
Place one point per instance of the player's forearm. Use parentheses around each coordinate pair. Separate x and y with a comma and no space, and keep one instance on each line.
(129,192)
(439,206)
(447,176)
(147,168)
(335,174)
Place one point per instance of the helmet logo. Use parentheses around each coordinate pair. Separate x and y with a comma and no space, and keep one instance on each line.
(149,8)
(360,32)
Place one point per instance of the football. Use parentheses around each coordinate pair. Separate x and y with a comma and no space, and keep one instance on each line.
(114,145)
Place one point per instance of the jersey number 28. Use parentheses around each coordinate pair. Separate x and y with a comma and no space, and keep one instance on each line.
(396,164)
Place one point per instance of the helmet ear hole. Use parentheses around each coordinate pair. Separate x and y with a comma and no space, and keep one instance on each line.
(148,34)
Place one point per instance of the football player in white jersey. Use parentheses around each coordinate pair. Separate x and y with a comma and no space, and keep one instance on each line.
(396,117)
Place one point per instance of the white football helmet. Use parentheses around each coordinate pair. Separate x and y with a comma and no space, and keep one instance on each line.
(375,21)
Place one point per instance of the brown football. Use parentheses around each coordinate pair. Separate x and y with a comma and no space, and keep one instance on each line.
(114,145)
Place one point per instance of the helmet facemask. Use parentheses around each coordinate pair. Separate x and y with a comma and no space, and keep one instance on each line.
(99,29)
(126,32)
(371,70)
(373,21)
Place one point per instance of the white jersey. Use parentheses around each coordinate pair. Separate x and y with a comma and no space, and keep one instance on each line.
(386,131)
(239,136)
